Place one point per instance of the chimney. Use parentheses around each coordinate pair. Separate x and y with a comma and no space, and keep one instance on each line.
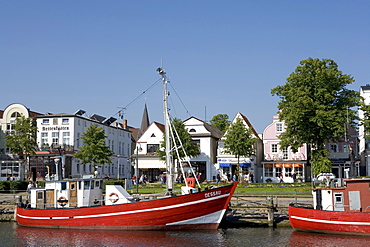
(125,123)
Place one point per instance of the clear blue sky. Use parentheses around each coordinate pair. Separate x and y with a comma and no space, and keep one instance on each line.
(221,56)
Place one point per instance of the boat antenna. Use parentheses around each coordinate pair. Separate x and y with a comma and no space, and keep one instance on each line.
(169,168)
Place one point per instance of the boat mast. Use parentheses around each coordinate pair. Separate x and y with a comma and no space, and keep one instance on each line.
(169,175)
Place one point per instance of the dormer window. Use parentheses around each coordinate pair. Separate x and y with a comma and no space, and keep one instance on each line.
(15,114)
(279,127)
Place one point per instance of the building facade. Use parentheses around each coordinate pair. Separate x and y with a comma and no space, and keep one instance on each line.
(364,144)
(11,166)
(282,162)
(227,163)
(60,135)
(203,135)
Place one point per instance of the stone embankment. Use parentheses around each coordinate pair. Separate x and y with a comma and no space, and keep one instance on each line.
(244,210)
(7,204)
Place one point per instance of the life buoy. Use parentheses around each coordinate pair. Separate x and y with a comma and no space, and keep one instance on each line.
(113,197)
(62,201)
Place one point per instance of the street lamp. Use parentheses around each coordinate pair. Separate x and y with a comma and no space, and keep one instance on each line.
(138,148)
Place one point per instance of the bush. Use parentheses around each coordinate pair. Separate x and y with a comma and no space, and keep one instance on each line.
(13,186)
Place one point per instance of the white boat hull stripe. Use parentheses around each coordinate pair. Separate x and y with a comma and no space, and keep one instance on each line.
(331,221)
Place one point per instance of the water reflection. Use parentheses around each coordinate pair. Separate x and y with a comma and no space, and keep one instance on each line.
(326,240)
(37,237)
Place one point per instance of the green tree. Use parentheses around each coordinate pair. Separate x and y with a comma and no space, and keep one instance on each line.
(221,121)
(191,149)
(23,140)
(239,141)
(94,150)
(315,106)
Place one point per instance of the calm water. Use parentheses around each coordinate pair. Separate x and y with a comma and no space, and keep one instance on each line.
(13,235)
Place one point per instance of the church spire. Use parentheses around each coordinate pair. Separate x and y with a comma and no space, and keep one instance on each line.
(144,122)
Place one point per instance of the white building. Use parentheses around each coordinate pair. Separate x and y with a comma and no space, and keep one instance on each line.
(227,163)
(60,134)
(203,135)
(10,164)
(364,144)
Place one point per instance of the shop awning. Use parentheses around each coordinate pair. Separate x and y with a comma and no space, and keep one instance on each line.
(224,164)
(245,164)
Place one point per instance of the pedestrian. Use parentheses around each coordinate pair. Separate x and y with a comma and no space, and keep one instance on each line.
(281,178)
(235,177)
(251,177)
(190,180)
(141,180)
(294,176)
(218,178)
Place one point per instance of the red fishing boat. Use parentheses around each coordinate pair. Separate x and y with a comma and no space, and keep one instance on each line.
(80,206)
(339,210)
(81,203)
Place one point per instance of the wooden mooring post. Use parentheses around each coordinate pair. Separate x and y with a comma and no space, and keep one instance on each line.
(270,211)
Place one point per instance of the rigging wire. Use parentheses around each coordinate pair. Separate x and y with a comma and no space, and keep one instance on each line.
(187,111)
(134,100)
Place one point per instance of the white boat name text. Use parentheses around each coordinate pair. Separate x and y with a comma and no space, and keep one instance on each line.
(213,193)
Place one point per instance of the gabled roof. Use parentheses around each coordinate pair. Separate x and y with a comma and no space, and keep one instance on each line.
(245,119)
(159,126)
(215,132)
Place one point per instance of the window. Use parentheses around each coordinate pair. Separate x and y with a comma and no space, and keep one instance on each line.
(45,121)
(152,148)
(279,127)
(153,135)
(78,140)
(298,171)
(268,171)
(345,148)
(63,185)
(55,121)
(15,114)
(87,184)
(274,148)
(333,148)
(192,130)
(40,195)
(66,139)
(65,121)
(112,145)
(285,153)
(288,171)
(55,138)
(278,171)
(44,138)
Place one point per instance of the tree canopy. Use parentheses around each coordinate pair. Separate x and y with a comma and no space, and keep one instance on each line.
(190,148)
(221,121)
(239,140)
(94,150)
(315,106)
(23,139)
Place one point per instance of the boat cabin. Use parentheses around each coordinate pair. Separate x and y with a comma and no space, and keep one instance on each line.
(354,196)
(77,193)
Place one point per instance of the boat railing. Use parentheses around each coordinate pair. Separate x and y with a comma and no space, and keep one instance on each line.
(367,209)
